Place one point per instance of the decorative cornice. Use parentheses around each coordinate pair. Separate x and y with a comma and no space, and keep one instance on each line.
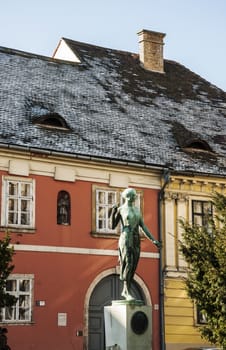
(197,184)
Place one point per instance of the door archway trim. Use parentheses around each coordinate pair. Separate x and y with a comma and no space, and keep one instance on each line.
(94,283)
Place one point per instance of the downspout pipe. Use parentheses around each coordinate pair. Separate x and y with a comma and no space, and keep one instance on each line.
(166,180)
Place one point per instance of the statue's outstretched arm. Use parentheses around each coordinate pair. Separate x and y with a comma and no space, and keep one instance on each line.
(148,234)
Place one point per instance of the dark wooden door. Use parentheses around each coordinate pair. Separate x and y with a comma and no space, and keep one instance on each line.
(108,289)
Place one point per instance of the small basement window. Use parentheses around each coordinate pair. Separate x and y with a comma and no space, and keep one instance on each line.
(52,121)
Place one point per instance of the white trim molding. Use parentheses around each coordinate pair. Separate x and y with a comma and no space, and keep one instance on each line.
(74,250)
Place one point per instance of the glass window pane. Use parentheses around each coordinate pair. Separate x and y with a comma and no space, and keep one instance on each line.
(207,208)
(24,303)
(13,204)
(101,224)
(201,317)
(111,198)
(12,218)
(101,197)
(25,189)
(101,218)
(25,219)
(198,220)
(109,223)
(10,313)
(25,205)
(101,213)
(11,285)
(24,285)
(24,314)
(197,207)
(13,188)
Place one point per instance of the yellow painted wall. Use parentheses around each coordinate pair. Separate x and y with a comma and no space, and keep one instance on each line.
(179,314)
(181,330)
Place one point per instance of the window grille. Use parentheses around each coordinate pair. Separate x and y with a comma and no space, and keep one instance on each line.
(21,287)
(18,203)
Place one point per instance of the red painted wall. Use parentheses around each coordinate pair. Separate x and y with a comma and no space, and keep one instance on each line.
(62,280)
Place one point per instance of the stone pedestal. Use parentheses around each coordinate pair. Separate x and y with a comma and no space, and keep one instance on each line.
(128,326)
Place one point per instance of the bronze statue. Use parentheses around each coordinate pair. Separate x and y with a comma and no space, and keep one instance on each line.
(129,242)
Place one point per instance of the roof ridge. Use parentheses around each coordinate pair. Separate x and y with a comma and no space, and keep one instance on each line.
(99,47)
(24,53)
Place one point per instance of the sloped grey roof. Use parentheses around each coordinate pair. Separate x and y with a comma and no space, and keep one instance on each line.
(114,108)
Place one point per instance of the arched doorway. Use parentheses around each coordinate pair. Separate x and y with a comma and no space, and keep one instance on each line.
(109,288)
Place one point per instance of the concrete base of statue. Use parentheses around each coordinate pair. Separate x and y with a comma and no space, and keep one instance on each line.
(128,325)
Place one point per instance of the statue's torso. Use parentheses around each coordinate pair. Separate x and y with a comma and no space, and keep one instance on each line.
(130,217)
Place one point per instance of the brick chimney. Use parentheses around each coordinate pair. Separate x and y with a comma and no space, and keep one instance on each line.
(151,50)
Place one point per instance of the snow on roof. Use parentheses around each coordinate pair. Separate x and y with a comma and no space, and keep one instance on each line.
(114,109)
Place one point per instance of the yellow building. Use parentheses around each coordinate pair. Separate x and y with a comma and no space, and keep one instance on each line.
(185,197)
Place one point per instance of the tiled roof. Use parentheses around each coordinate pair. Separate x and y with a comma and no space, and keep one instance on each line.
(114,109)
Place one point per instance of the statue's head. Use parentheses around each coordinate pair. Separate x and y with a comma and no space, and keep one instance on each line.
(129,193)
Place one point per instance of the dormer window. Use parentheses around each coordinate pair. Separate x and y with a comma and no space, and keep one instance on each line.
(189,141)
(52,121)
(198,145)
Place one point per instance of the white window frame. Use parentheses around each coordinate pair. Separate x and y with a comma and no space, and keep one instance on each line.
(13,314)
(19,197)
(106,206)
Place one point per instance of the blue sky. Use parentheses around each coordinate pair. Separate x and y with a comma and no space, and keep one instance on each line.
(195,29)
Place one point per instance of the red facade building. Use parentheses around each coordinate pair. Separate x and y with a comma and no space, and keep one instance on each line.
(66,259)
